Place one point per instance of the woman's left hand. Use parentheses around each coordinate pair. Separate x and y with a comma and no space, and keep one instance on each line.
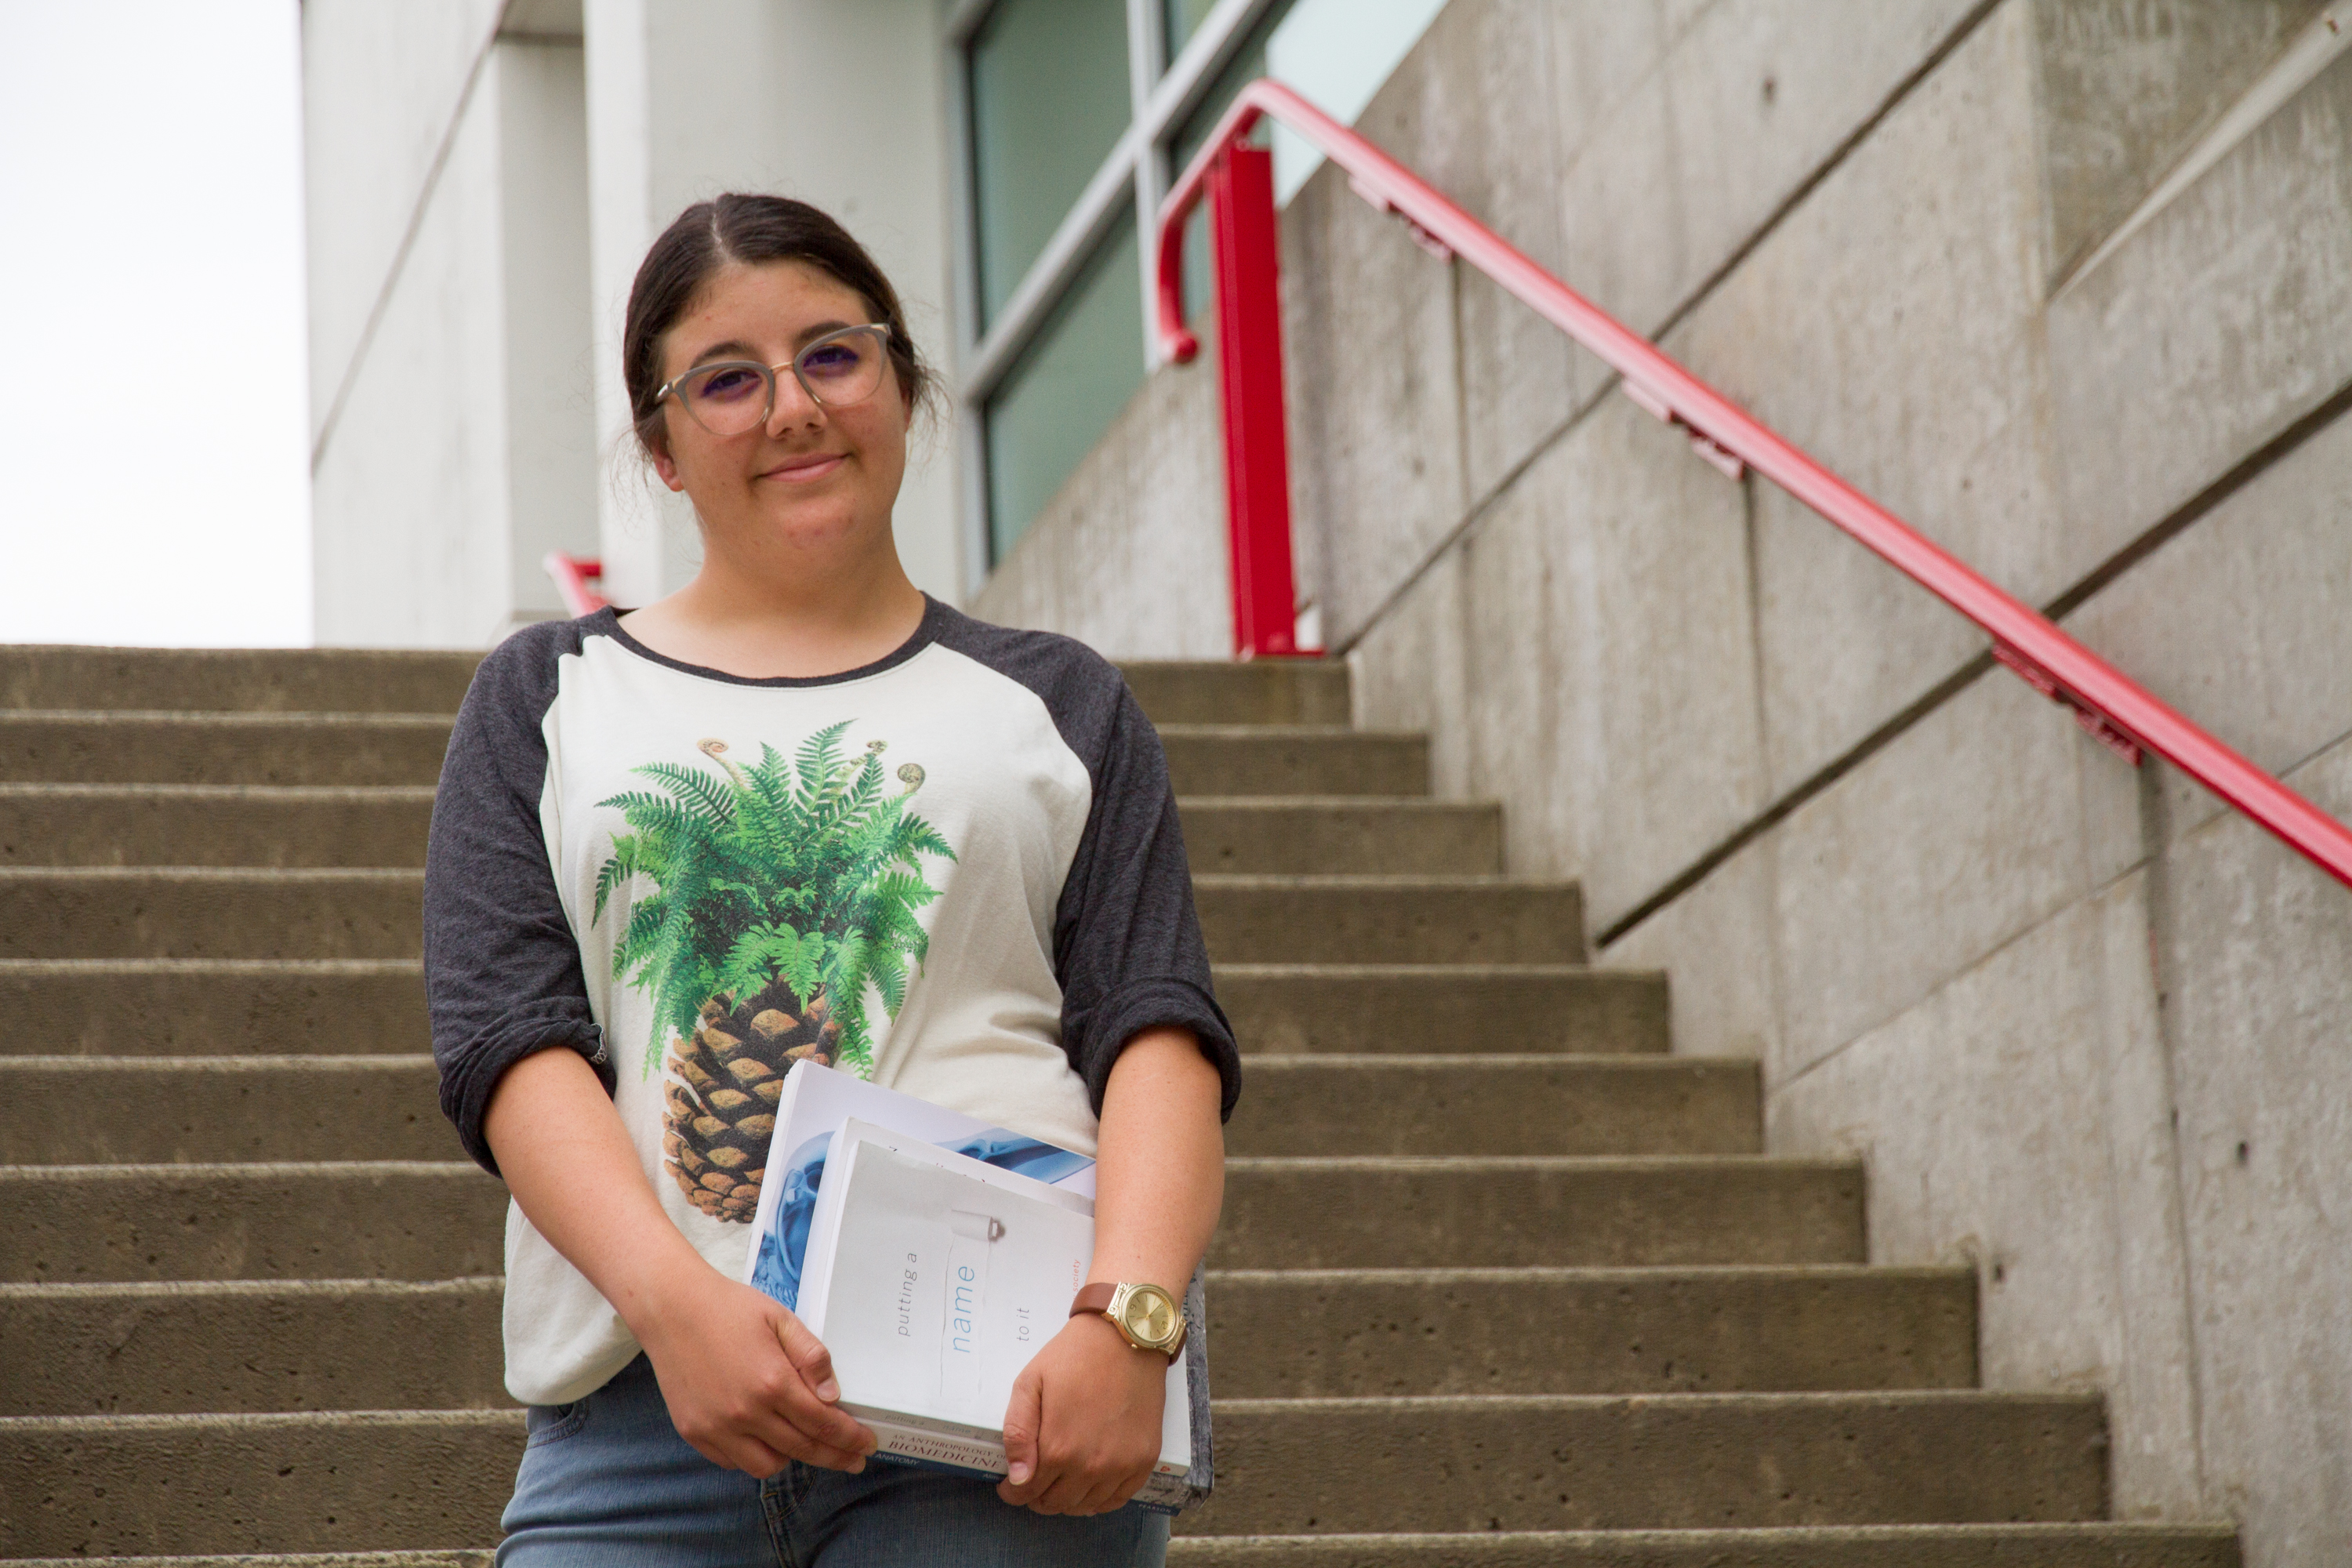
(1082,1432)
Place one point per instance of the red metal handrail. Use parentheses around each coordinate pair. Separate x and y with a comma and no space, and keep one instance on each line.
(572,575)
(2109,704)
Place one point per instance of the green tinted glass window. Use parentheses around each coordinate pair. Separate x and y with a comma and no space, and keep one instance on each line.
(1184,19)
(1070,385)
(1049,100)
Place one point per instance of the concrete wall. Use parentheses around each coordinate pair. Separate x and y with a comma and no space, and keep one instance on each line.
(454,440)
(2085,1026)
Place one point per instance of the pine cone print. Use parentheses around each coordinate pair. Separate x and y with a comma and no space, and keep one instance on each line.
(725,1085)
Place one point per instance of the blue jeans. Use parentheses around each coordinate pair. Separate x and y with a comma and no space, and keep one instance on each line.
(608,1482)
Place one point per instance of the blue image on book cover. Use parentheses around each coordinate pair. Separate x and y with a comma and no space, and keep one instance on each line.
(784,1246)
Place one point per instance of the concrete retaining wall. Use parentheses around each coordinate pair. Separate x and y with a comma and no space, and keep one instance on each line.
(2088,1028)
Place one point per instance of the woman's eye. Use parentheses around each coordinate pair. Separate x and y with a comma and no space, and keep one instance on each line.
(833,359)
(729,385)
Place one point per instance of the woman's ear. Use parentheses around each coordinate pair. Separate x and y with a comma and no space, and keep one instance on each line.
(657,442)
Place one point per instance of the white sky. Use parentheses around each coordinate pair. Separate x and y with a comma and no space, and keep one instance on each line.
(154,470)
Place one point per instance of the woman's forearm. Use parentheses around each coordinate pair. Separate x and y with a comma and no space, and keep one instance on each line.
(746,1383)
(571,1166)
(1160,1169)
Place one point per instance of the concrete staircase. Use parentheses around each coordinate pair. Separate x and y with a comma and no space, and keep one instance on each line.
(1500,1282)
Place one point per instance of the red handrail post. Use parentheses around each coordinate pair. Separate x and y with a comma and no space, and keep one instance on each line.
(1249,373)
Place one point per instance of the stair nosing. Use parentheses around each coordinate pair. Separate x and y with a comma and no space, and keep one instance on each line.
(227,1169)
(373,794)
(1506,1163)
(1599,1274)
(234,1289)
(312,1061)
(1409,1404)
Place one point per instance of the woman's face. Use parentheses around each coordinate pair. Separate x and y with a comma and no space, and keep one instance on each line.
(812,477)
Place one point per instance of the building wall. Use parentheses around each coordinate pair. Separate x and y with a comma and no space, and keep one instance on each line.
(484,177)
(453,440)
(2084,1026)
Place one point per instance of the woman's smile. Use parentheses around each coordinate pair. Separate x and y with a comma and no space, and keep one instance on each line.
(806,467)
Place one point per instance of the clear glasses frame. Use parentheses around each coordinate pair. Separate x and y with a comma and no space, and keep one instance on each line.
(722,406)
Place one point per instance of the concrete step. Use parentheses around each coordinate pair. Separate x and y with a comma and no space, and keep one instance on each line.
(83,1111)
(345,1344)
(222,748)
(1391,919)
(1363,1333)
(148,912)
(275,679)
(1263,691)
(163,1006)
(1226,759)
(1548,1104)
(349,1482)
(352,1220)
(240,1346)
(211,1110)
(213,825)
(1517,1213)
(241,1006)
(1666,1461)
(1322,835)
(152,1484)
(1349,1008)
(279,1559)
(1818,1546)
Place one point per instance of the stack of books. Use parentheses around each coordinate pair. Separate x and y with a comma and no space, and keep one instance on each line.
(933,1255)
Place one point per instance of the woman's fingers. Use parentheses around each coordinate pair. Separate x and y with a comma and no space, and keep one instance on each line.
(1022,1413)
(809,1356)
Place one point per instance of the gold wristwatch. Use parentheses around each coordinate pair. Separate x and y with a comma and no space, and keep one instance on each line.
(1150,1318)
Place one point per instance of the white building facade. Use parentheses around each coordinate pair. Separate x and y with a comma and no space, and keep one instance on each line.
(485,176)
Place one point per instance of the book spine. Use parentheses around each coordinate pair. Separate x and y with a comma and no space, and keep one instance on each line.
(899,1440)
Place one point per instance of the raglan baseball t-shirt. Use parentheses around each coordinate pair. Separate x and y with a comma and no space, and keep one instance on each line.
(956,871)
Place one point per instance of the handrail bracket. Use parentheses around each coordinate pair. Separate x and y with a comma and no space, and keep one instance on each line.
(2095,724)
(1724,459)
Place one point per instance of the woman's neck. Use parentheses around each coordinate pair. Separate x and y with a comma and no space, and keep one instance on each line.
(817,623)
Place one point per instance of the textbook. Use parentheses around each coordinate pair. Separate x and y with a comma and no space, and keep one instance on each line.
(933,1255)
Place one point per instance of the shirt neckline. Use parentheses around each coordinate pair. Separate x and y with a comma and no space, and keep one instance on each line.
(606,622)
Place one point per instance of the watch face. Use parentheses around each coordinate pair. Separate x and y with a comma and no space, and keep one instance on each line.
(1150,1316)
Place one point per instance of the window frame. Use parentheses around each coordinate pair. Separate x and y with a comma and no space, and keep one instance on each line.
(1136,169)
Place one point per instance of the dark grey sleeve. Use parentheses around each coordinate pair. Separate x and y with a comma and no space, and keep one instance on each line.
(1127,940)
(502,971)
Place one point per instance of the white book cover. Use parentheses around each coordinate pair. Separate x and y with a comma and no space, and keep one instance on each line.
(816,1100)
(816,1104)
(933,1278)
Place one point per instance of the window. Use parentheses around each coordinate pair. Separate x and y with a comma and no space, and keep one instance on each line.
(1075,114)
(1049,98)
(1067,387)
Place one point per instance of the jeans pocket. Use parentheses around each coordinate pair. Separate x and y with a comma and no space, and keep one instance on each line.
(553,1423)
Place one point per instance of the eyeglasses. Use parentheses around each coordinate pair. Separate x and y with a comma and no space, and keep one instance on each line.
(730,396)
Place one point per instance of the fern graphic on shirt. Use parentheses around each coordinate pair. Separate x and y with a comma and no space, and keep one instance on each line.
(782,893)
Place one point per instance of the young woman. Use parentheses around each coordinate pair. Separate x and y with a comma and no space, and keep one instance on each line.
(799,810)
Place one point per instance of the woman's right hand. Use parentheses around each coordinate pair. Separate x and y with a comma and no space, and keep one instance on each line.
(747,1384)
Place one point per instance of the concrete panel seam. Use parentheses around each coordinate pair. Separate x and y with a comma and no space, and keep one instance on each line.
(1828,165)
(2092,582)
(2155,840)
(1699,296)
(407,243)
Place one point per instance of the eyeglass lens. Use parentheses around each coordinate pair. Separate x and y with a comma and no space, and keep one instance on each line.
(732,396)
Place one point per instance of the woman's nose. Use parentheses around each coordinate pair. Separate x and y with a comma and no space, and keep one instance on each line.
(793,407)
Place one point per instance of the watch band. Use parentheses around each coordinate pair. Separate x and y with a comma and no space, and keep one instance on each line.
(1094,1297)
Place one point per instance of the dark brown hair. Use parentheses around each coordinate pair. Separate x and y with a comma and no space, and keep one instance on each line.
(747,230)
